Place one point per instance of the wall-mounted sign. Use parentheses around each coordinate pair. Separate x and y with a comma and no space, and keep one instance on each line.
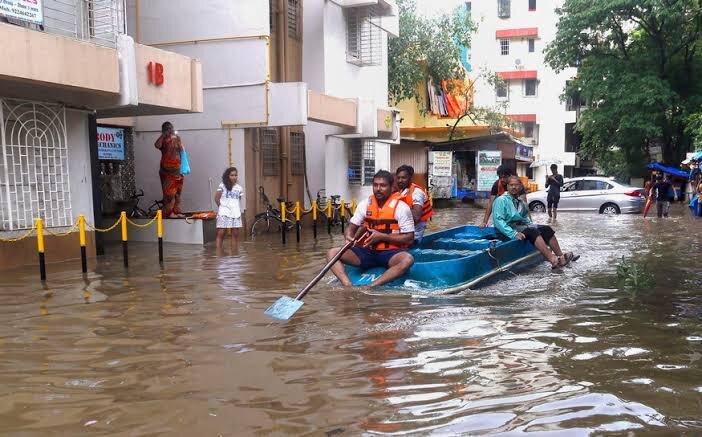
(488,161)
(25,10)
(110,143)
(156,73)
(442,164)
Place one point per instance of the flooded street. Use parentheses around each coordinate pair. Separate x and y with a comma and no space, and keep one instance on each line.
(187,349)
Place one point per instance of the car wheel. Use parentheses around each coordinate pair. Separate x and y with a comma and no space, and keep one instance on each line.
(609,209)
(537,207)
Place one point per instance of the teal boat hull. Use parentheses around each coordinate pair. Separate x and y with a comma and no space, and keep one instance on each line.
(453,260)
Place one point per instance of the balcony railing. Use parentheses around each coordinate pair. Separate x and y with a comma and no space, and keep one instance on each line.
(97,21)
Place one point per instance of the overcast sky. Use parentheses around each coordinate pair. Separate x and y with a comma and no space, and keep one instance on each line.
(434,7)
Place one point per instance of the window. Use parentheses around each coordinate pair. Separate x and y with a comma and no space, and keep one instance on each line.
(34,169)
(586,184)
(502,90)
(602,185)
(530,87)
(503,8)
(297,153)
(272,11)
(270,152)
(364,44)
(532,45)
(572,138)
(529,129)
(294,19)
(504,47)
(574,101)
(532,5)
(361,162)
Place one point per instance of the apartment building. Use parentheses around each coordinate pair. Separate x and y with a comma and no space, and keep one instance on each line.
(295,95)
(65,63)
(510,42)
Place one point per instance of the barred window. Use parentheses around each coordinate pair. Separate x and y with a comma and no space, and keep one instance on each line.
(504,47)
(364,43)
(297,153)
(294,19)
(34,169)
(270,152)
(503,8)
(361,162)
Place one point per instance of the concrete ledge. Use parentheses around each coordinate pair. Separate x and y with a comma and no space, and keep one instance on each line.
(174,231)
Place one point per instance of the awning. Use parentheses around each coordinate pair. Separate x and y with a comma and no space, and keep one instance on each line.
(669,170)
(524,118)
(519,74)
(517,33)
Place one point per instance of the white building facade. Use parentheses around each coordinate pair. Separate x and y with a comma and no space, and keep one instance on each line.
(510,42)
(282,97)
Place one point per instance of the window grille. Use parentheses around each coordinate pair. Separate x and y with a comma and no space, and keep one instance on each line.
(532,45)
(364,44)
(503,8)
(361,162)
(529,129)
(294,19)
(270,152)
(532,5)
(530,87)
(297,153)
(502,90)
(34,173)
(504,47)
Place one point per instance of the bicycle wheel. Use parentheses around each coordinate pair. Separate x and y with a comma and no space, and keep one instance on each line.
(260,225)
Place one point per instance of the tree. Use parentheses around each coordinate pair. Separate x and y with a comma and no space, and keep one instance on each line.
(431,49)
(638,62)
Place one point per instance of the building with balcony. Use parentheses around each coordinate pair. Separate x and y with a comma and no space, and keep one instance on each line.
(510,41)
(65,63)
(294,95)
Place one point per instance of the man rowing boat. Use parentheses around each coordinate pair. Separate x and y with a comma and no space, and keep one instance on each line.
(391,227)
(511,218)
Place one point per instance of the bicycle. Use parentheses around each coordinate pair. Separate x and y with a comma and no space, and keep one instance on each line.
(135,211)
(335,219)
(271,220)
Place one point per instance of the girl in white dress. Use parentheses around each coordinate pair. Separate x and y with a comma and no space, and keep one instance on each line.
(228,199)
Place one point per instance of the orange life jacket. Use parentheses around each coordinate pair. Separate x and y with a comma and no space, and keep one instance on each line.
(427,210)
(383,219)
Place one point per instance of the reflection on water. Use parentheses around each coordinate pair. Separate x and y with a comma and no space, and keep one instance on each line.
(188,349)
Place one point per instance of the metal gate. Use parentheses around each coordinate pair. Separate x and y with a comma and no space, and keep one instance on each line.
(34,174)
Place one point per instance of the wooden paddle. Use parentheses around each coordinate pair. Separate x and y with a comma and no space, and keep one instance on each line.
(285,306)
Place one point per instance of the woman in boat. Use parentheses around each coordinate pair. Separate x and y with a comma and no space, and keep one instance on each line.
(511,218)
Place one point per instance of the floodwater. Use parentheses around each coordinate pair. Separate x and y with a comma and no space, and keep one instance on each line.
(186,349)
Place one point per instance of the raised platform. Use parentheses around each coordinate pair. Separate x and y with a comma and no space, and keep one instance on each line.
(191,231)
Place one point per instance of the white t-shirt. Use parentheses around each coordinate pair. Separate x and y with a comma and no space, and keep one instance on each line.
(230,202)
(403,215)
(418,198)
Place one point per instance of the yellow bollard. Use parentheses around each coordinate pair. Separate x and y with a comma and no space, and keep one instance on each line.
(283,215)
(343,214)
(314,219)
(81,237)
(298,211)
(354,205)
(159,234)
(125,250)
(329,215)
(40,249)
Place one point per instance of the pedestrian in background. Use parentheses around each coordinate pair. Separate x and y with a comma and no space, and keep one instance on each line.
(172,179)
(661,190)
(554,182)
(228,200)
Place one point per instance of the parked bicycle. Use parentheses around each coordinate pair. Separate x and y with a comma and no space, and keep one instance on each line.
(135,211)
(271,220)
(335,219)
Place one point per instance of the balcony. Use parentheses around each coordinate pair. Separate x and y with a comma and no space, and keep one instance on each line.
(97,21)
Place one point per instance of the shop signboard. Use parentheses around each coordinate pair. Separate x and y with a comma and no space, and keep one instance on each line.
(25,10)
(110,143)
(441,176)
(488,161)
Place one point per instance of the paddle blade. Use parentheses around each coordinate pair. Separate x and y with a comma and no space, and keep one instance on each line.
(284,308)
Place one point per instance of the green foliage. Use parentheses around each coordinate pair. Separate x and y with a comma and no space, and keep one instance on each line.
(622,165)
(639,65)
(633,277)
(426,48)
(694,129)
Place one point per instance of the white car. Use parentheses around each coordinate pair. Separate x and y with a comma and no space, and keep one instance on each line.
(592,193)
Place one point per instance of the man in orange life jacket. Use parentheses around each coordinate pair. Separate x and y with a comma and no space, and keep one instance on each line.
(391,227)
(416,198)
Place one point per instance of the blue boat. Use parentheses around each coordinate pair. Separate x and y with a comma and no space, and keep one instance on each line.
(455,260)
